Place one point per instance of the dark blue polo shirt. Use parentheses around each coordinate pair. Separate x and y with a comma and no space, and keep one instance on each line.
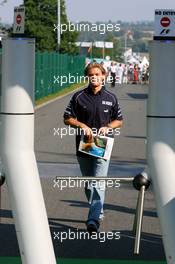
(94,110)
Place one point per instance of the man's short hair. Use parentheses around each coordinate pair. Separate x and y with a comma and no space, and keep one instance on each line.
(92,66)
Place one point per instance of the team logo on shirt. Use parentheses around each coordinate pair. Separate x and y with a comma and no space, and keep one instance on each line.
(107,103)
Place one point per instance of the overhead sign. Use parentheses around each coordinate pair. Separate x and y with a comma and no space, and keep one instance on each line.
(99,44)
(19,20)
(164,24)
(102,44)
(109,45)
(83,44)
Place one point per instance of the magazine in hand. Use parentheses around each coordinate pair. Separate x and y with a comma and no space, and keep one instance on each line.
(97,146)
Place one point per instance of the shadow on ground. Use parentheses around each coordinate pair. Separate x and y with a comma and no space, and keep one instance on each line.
(101,248)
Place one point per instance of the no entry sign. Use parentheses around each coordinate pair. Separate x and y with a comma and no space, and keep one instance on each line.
(19,20)
(164,24)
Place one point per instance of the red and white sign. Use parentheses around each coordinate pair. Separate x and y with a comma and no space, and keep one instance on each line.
(19,20)
(164,24)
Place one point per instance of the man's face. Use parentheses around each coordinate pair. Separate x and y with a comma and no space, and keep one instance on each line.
(96,78)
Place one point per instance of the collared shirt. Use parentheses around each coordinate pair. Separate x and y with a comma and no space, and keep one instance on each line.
(113,69)
(94,110)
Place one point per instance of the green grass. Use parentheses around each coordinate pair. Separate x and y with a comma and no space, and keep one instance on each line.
(16,260)
(59,93)
(102,261)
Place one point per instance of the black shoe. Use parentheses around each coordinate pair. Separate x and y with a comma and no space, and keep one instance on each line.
(92,226)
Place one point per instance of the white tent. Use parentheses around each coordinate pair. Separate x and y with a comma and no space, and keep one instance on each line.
(133,60)
(144,61)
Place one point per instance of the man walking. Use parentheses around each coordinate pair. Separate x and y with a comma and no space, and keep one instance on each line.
(93,108)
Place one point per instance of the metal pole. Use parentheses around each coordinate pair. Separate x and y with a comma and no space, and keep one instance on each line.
(139,219)
(136,216)
(146,176)
(125,46)
(91,50)
(103,50)
(0,203)
(17,151)
(59,23)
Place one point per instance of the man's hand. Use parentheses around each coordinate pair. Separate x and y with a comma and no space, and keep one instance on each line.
(104,130)
(76,124)
(87,130)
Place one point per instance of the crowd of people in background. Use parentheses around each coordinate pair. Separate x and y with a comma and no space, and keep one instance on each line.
(128,73)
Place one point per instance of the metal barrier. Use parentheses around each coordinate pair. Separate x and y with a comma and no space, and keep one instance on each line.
(141,184)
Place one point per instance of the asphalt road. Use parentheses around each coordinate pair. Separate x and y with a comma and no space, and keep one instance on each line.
(67,209)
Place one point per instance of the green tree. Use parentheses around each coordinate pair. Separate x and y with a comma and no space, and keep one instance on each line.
(41,20)
(68,38)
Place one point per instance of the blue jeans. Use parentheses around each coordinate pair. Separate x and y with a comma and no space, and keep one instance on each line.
(95,191)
